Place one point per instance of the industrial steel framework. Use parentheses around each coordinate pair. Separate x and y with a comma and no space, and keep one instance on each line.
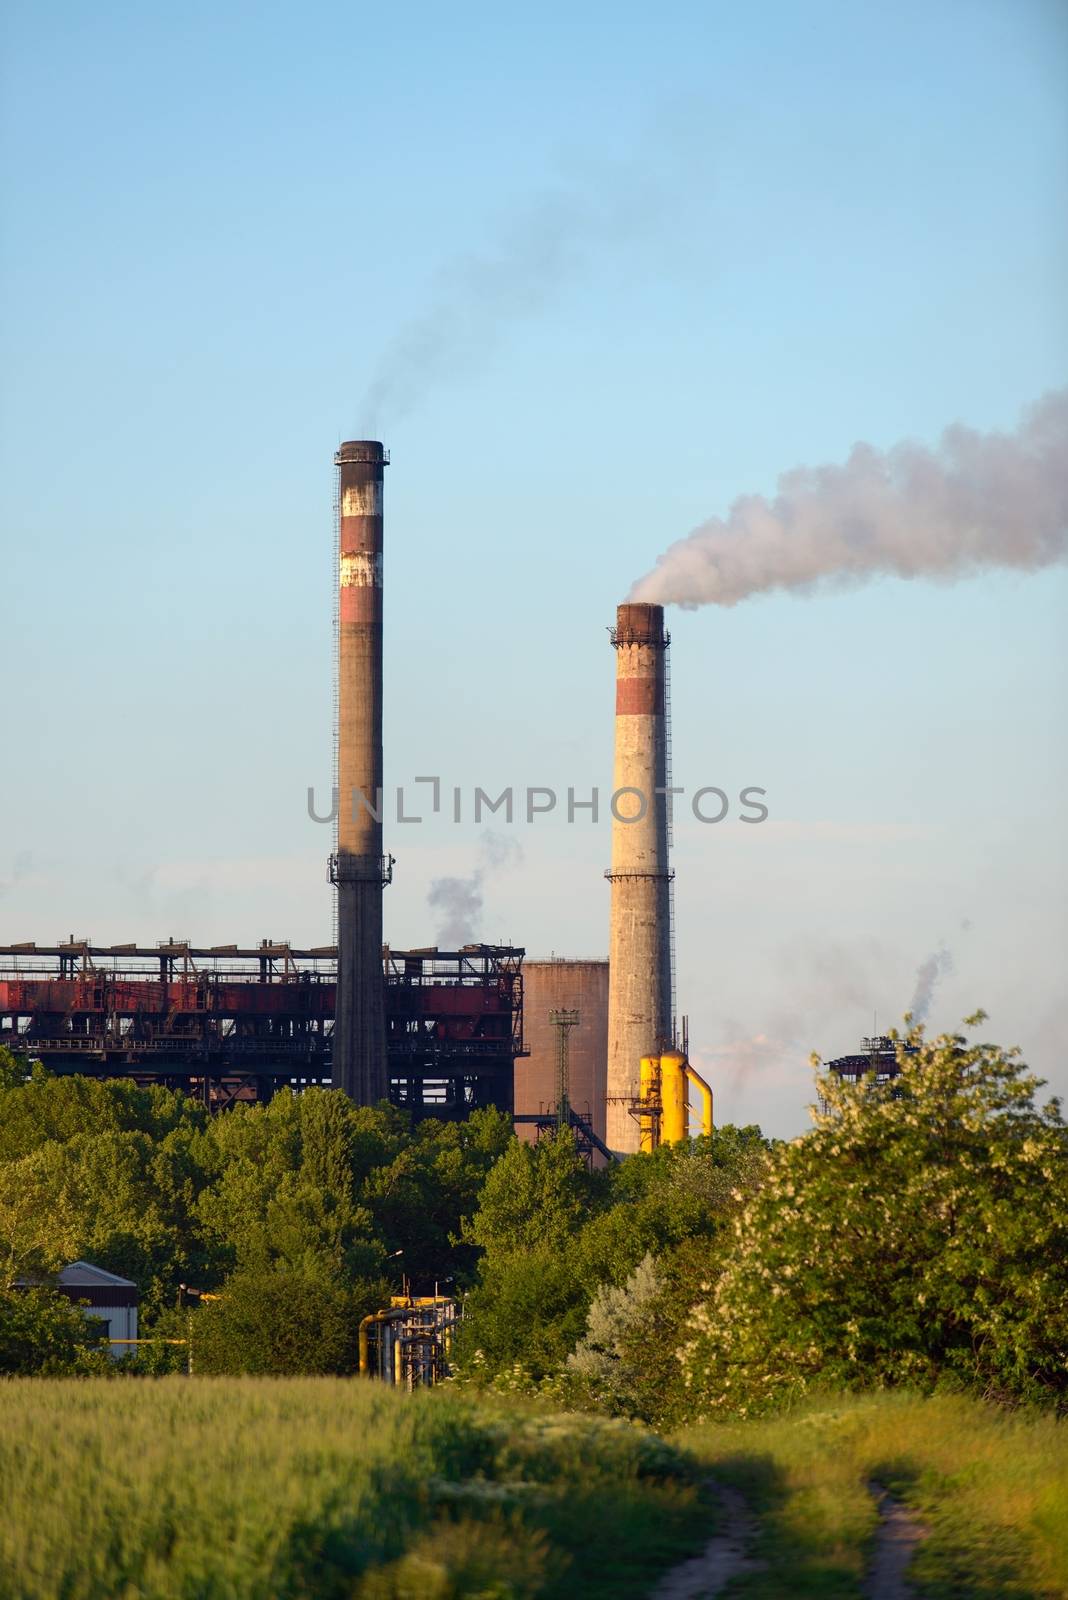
(454,1027)
(409,1344)
(879,1063)
(547,1125)
(232,1023)
(563,1114)
(563,1020)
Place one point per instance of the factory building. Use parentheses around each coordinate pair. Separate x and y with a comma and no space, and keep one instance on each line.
(878,1063)
(438,1032)
(102,1297)
(106,1297)
(231,1024)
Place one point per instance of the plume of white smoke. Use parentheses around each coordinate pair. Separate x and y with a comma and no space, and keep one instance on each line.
(979,501)
(536,253)
(458,901)
(937,966)
(458,904)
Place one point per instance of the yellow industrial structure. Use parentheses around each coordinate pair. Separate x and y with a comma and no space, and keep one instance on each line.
(409,1344)
(664,1108)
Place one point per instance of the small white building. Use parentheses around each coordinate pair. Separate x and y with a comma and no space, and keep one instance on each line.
(111,1298)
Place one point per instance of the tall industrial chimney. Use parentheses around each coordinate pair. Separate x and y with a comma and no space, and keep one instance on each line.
(359,1045)
(639,972)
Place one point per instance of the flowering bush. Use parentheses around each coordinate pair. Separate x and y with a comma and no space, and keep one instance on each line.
(919,1233)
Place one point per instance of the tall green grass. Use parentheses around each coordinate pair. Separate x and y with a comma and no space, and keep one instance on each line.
(289,1489)
(990,1486)
(265,1489)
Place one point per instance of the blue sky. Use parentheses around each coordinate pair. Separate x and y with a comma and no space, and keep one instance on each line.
(660,258)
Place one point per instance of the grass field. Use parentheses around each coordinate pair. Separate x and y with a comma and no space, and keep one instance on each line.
(273,1489)
(990,1486)
(264,1489)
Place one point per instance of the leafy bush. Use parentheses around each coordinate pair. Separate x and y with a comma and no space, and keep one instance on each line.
(282,1321)
(41,1331)
(553,1235)
(918,1234)
(619,1331)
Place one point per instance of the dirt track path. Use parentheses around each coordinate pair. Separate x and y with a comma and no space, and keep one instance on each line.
(723,1557)
(726,1555)
(900,1531)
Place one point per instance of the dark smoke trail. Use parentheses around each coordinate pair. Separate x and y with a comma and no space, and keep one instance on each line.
(458,901)
(544,247)
(935,967)
(977,502)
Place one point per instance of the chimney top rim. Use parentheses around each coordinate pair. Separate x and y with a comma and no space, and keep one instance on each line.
(362,450)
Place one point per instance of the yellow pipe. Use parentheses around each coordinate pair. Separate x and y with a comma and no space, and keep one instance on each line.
(365,1343)
(649,1104)
(705,1092)
(674,1118)
(365,1338)
(392,1363)
(148,1341)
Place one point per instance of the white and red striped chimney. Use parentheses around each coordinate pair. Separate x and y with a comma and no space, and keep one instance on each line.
(359,1064)
(639,973)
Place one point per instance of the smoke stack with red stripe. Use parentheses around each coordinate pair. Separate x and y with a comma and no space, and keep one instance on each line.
(639,974)
(358,868)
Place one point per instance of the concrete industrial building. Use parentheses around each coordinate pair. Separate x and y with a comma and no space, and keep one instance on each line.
(564,985)
(639,992)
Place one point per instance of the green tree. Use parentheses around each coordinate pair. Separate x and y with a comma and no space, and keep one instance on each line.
(553,1234)
(101,1197)
(41,1332)
(919,1233)
(679,1192)
(105,1170)
(13,1070)
(612,1356)
(529,1306)
(654,1253)
(281,1321)
(307,1189)
(535,1195)
(283,1188)
(43,1109)
(420,1198)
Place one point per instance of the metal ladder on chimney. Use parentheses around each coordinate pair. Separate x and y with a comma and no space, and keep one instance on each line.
(669,801)
(335,553)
